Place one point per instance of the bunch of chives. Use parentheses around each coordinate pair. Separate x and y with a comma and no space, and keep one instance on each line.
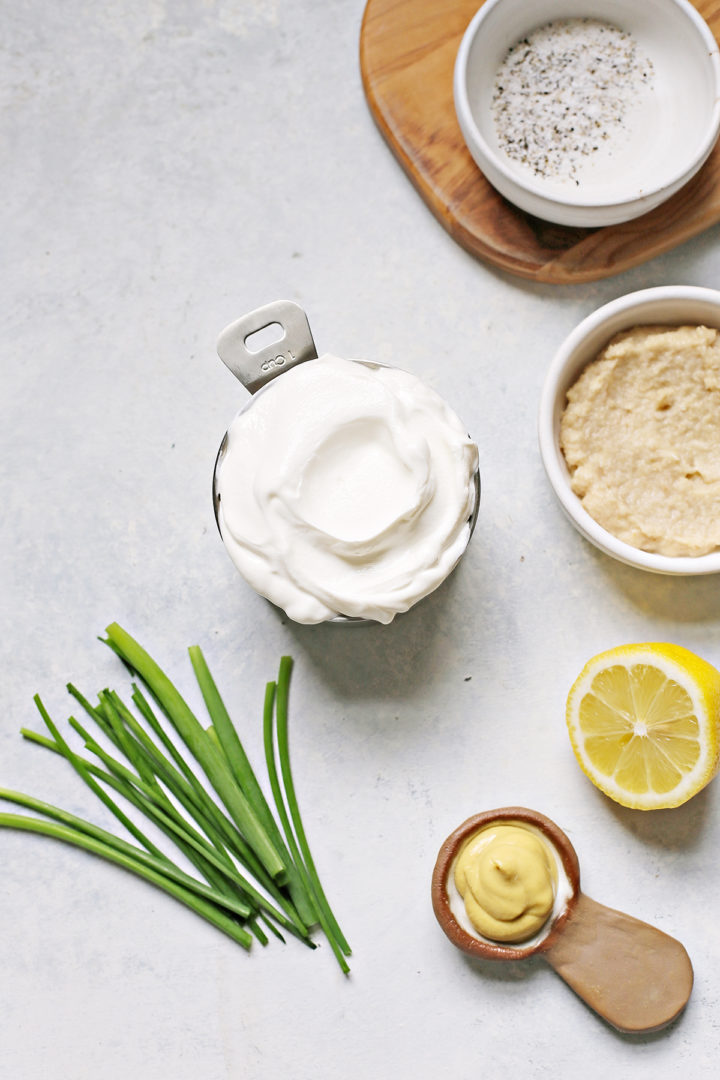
(255,872)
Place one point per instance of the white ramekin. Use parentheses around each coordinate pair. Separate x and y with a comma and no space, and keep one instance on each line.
(670,305)
(676,137)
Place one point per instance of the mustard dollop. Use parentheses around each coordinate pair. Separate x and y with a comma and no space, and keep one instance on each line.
(507,876)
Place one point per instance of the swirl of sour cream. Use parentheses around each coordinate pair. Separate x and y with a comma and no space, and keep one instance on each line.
(346,488)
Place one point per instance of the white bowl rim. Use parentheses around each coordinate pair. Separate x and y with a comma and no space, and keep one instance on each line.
(574,198)
(552,457)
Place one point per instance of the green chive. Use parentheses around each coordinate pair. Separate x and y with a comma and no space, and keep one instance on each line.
(161,784)
(200,746)
(159,865)
(282,698)
(208,911)
(229,743)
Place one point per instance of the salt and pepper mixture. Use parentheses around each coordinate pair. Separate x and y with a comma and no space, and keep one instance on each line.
(564,93)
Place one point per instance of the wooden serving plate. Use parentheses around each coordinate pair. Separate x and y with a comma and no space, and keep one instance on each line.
(407,56)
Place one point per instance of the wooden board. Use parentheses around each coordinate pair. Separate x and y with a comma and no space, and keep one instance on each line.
(407,56)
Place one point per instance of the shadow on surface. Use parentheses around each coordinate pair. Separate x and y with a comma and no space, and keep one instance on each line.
(678,829)
(684,599)
(372,660)
(505,970)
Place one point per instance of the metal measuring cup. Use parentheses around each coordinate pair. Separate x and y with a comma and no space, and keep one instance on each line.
(256,370)
(635,976)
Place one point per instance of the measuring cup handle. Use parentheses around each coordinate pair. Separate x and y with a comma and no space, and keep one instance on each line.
(255,368)
(632,974)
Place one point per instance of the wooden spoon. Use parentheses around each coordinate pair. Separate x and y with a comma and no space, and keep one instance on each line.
(635,976)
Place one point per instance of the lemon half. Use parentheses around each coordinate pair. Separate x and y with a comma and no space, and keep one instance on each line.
(644,722)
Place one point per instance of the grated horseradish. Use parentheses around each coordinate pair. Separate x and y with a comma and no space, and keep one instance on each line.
(641,438)
(564,92)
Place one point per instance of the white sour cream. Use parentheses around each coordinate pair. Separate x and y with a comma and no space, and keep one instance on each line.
(346,488)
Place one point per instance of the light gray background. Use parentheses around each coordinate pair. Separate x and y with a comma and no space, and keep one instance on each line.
(167,167)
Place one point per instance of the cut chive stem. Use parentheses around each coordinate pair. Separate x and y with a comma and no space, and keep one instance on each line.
(213,736)
(255,928)
(200,746)
(163,821)
(146,711)
(185,786)
(152,802)
(220,837)
(281,709)
(269,745)
(229,743)
(84,775)
(207,813)
(209,911)
(153,766)
(293,920)
(163,866)
(183,783)
(279,697)
(268,711)
(287,917)
(121,719)
(274,930)
(91,710)
(150,799)
(270,694)
(220,831)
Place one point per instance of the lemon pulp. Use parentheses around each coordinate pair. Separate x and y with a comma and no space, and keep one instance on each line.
(643,722)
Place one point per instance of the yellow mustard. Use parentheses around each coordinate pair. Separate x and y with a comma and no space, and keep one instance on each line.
(507,877)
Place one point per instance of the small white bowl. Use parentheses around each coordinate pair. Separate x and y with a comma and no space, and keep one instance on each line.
(672,132)
(672,305)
